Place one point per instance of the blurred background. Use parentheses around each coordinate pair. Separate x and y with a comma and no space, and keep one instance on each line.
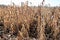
(32,2)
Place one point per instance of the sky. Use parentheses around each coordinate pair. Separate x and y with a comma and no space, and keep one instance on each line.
(34,2)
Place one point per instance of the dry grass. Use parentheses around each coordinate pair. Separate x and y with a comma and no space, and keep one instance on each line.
(42,23)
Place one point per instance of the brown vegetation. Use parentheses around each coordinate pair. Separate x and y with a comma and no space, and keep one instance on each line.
(25,23)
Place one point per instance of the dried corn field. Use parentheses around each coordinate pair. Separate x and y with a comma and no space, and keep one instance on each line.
(29,23)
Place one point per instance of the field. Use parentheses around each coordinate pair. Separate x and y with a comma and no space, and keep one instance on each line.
(29,23)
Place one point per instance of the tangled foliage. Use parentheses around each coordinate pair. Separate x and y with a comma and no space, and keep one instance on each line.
(29,23)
